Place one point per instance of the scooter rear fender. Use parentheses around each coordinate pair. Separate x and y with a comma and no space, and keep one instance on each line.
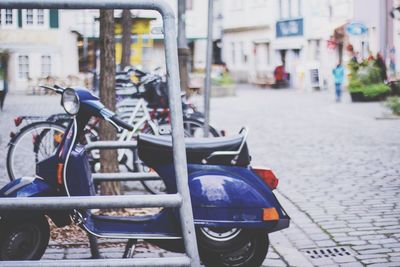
(31,187)
(229,196)
(233,196)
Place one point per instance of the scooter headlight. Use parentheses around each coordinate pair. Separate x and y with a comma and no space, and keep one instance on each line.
(70,101)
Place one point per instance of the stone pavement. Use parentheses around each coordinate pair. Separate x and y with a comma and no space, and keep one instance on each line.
(338,167)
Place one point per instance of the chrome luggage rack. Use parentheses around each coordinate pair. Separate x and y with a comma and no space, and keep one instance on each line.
(244,131)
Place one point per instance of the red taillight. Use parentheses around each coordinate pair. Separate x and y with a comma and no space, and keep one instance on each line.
(18,121)
(268,177)
(60,168)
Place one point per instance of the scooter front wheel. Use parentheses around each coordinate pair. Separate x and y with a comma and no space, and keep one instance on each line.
(25,240)
(232,247)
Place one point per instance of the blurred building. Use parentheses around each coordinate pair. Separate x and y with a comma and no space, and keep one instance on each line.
(196,33)
(248,31)
(308,37)
(147,39)
(38,44)
(395,55)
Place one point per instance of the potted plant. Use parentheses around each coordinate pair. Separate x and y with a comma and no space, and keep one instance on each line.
(393,103)
(366,83)
(223,85)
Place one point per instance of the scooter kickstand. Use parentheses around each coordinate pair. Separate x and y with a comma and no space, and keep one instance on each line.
(130,248)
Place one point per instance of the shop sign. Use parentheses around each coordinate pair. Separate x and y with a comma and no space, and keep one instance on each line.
(286,28)
(356,28)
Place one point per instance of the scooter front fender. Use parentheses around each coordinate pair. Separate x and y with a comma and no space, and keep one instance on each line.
(32,187)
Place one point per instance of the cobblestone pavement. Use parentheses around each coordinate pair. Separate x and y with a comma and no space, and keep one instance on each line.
(338,167)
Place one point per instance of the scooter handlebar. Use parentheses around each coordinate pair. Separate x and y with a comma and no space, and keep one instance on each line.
(121,123)
(56,88)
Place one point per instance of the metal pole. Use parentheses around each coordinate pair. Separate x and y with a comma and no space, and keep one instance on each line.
(178,140)
(90,202)
(207,83)
(147,262)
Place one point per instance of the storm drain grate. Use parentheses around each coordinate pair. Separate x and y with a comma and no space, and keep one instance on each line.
(328,252)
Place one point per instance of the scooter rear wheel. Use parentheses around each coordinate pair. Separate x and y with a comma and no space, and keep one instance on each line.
(25,240)
(232,247)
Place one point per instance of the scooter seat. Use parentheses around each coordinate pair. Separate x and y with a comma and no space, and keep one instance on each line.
(155,150)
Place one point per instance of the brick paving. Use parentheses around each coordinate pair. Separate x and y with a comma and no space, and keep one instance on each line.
(338,168)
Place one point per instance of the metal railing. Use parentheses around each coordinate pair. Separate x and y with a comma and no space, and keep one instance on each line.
(125,176)
(179,153)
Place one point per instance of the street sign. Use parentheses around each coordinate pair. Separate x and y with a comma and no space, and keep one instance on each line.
(356,28)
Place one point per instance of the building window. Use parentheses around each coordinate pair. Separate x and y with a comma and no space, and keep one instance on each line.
(8,18)
(289,9)
(46,66)
(40,16)
(29,17)
(243,57)
(23,67)
(299,12)
(233,53)
(284,6)
(35,18)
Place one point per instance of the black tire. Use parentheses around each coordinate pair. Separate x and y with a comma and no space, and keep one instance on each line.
(235,248)
(27,147)
(24,240)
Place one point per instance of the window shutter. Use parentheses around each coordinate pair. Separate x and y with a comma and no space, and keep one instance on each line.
(53,18)
(19,18)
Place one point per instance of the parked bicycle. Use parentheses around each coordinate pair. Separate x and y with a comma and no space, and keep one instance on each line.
(147,111)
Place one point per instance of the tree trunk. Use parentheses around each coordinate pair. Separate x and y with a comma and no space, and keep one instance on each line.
(126,38)
(183,49)
(108,158)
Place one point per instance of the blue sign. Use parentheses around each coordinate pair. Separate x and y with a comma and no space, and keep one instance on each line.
(356,28)
(286,28)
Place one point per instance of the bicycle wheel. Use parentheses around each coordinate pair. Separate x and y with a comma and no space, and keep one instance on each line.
(192,128)
(35,142)
(195,128)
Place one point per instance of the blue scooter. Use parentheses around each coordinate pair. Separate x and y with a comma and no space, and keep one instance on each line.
(233,204)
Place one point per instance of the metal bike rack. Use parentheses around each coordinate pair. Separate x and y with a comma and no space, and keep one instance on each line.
(127,176)
(181,199)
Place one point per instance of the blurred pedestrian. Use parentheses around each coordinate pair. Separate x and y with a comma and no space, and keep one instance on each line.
(380,63)
(338,75)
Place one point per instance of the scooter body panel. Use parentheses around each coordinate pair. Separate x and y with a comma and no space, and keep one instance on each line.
(227,196)
(32,187)
(27,187)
